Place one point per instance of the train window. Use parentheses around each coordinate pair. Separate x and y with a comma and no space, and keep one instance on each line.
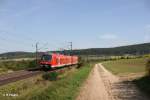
(46,57)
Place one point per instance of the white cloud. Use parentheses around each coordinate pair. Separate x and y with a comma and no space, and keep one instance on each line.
(108,36)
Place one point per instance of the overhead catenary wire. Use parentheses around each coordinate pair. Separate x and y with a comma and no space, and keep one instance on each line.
(23,42)
(3,50)
(12,38)
(12,34)
(9,41)
(12,44)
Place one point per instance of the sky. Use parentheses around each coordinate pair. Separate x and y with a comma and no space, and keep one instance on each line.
(85,23)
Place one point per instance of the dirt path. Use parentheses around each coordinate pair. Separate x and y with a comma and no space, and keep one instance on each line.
(102,85)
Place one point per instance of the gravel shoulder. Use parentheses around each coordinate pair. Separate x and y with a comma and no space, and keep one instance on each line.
(103,85)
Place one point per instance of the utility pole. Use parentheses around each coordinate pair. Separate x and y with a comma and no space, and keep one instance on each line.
(70,48)
(37,53)
(61,51)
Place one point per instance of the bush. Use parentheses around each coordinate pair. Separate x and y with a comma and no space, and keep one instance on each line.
(18,65)
(32,64)
(143,84)
(52,76)
(148,67)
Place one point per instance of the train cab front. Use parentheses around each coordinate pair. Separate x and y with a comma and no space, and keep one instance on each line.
(45,61)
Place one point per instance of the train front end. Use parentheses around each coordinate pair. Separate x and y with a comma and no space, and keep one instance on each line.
(45,61)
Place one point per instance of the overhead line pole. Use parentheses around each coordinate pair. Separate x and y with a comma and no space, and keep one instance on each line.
(71,50)
(37,49)
(37,53)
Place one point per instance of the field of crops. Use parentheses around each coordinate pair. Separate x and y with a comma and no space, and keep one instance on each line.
(126,66)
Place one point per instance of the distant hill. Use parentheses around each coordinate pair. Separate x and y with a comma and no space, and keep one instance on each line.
(138,49)
(17,54)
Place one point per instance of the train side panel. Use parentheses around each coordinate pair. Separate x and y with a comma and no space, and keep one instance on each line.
(58,60)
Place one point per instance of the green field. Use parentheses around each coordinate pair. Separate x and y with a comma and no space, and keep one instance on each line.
(126,66)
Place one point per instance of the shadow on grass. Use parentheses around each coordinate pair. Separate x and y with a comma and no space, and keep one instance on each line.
(143,84)
(126,90)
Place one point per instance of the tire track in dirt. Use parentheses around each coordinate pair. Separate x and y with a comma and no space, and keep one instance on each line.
(93,88)
(103,85)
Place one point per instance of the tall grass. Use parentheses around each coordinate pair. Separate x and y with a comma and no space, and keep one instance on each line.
(148,67)
(143,83)
(66,87)
(17,65)
(50,76)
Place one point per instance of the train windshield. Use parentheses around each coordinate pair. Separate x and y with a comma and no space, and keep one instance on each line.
(46,57)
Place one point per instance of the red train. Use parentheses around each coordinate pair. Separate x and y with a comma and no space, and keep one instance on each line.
(57,60)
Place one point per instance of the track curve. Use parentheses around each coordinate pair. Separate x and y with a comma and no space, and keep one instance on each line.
(18,75)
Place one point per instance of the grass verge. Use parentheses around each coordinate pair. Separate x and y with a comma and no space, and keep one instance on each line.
(66,88)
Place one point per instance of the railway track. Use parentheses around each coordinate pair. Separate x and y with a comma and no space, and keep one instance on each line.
(23,74)
(18,75)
